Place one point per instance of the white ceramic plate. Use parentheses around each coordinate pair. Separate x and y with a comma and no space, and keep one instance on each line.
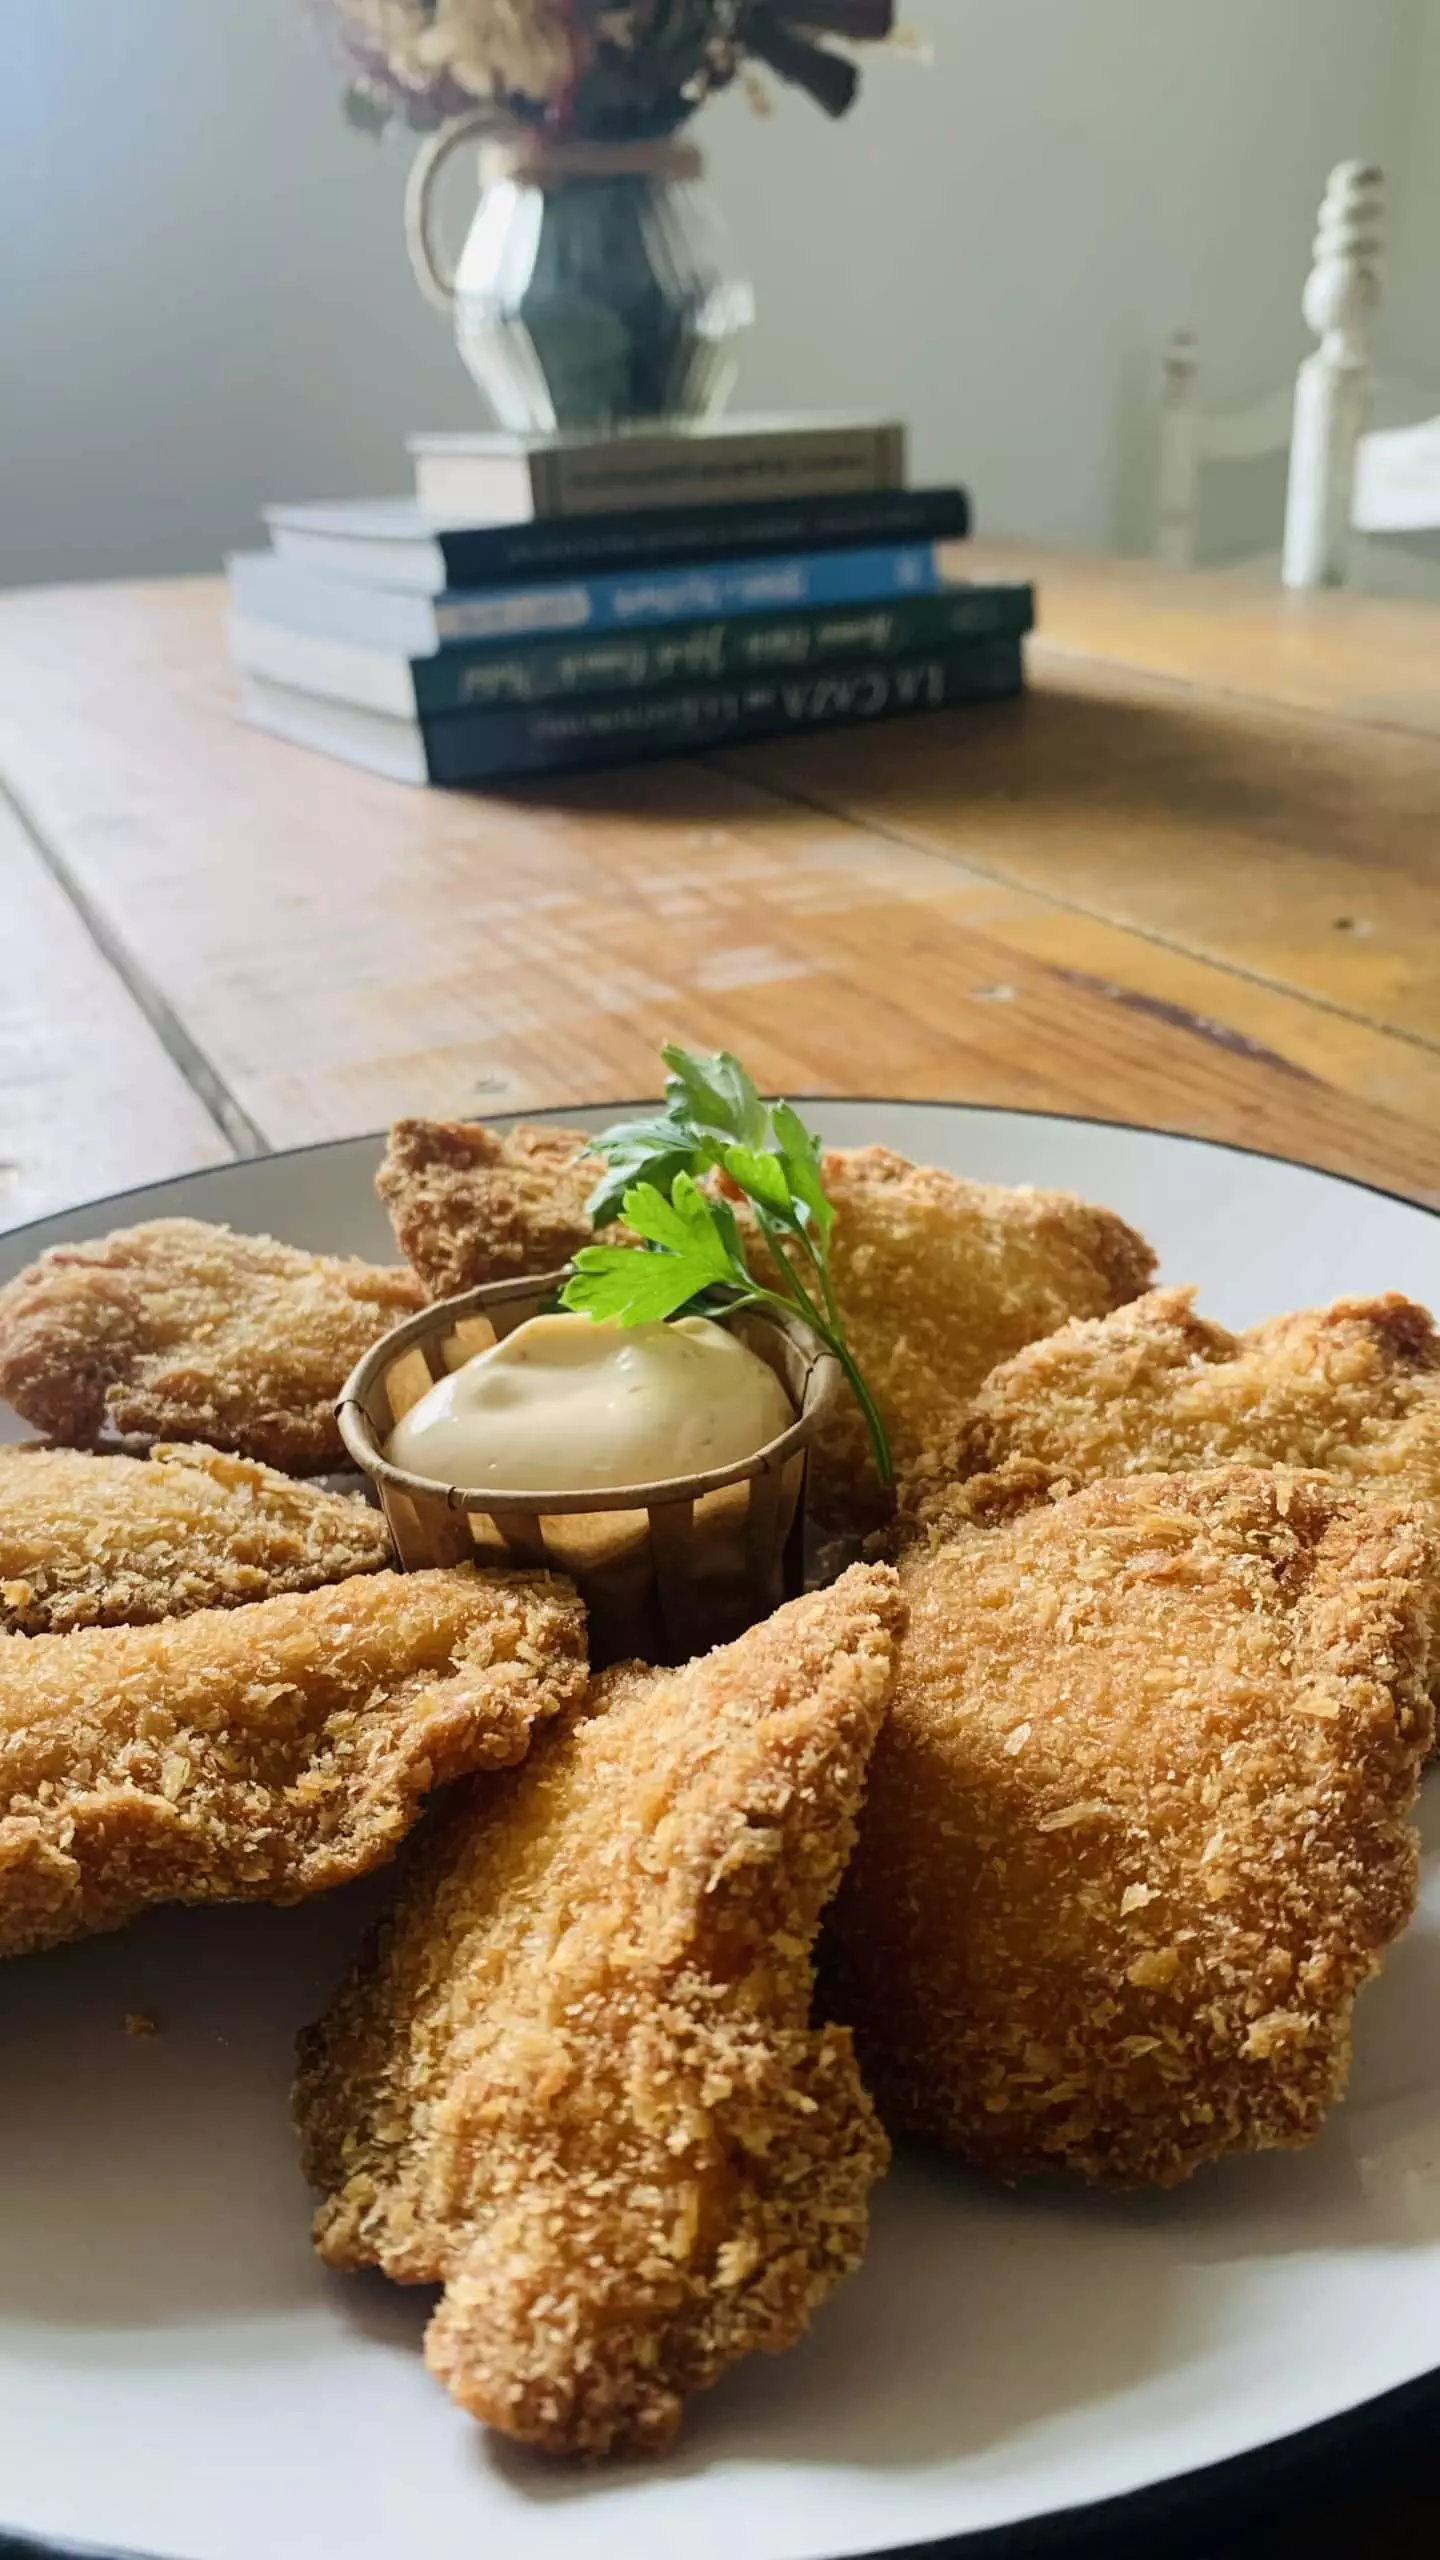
(179,2377)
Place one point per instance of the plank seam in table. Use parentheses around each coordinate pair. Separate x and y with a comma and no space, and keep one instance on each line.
(311,951)
(1068,654)
(233,1121)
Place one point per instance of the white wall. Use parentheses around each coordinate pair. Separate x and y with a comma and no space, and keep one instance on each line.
(1004,252)
(1413,280)
(204,299)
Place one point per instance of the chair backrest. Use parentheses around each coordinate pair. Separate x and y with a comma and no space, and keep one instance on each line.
(1192,438)
(1397,480)
(1343,476)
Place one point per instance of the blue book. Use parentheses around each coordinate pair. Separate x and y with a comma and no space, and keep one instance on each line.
(266,589)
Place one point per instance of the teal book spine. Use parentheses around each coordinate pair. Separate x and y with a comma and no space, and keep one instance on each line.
(458,678)
(639,599)
(471,747)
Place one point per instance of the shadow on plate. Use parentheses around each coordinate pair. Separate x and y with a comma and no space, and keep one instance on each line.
(151,2179)
(925,2356)
(937,2352)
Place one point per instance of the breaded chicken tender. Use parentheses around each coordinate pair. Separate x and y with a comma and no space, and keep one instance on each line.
(1138,1828)
(938,1279)
(573,2077)
(469,1206)
(265,1753)
(1352,1388)
(109,1541)
(181,1331)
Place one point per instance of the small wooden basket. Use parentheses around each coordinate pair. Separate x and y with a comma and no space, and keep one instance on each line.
(666,1570)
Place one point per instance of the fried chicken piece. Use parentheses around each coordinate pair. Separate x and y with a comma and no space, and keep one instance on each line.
(182,1331)
(265,1753)
(573,2077)
(937,1279)
(108,1541)
(468,1205)
(1137,1830)
(1353,1389)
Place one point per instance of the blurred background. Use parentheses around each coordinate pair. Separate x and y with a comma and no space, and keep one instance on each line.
(207,302)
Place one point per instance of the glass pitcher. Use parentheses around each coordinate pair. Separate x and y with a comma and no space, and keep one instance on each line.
(597,285)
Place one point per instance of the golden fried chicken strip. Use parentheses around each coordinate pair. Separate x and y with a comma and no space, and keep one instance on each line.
(265,1753)
(181,1331)
(573,2077)
(1137,1830)
(468,1205)
(1352,1388)
(109,1541)
(938,1279)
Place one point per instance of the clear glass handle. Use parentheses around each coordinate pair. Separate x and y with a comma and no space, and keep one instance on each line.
(434,273)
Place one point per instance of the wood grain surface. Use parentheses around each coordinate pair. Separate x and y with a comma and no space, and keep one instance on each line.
(1194,879)
(90,1100)
(1353,657)
(1120,896)
(1301,851)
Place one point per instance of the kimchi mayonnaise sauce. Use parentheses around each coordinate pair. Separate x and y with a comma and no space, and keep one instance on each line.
(566,1404)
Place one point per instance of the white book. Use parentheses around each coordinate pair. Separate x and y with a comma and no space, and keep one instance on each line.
(376,740)
(312,662)
(505,479)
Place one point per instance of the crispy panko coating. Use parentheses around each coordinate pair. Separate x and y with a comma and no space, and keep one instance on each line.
(182,1331)
(109,1541)
(265,1753)
(469,1206)
(938,1279)
(1137,1830)
(1353,1389)
(573,2077)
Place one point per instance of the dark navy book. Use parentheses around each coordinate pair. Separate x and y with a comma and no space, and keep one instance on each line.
(468,747)
(390,542)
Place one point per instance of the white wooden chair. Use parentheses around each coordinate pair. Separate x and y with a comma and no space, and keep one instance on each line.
(1346,477)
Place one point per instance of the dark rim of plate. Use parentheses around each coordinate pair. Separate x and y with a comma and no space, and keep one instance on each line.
(1240,2494)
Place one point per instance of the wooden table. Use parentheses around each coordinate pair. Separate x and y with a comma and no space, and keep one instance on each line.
(1193,879)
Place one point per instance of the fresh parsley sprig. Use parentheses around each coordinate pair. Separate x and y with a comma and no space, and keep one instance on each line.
(714,1122)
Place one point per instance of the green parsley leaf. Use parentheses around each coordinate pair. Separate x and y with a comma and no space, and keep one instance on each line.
(652,1150)
(714,1118)
(683,1224)
(800,1156)
(688,1255)
(728,1229)
(716,1094)
(615,1286)
(761,1177)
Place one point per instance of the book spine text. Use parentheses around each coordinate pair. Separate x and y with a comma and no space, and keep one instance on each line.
(620,602)
(486,676)
(548,737)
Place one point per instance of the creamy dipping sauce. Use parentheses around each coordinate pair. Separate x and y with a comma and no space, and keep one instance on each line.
(565,1404)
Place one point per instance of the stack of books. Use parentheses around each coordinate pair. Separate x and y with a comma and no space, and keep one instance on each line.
(572,600)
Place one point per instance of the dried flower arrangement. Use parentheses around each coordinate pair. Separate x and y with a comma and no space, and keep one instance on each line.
(597,69)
